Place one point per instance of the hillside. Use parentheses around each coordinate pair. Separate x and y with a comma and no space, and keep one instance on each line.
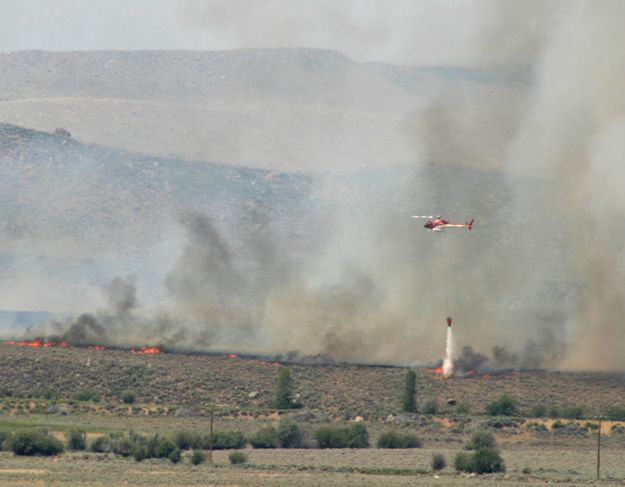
(286,109)
(247,384)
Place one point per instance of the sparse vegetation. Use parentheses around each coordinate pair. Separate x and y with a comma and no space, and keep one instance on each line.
(430,407)
(616,413)
(408,400)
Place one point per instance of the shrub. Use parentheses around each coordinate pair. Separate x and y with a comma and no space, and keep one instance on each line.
(86,395)
(165,448)
(284,390)
(538,411)
(480,439)
(331,437)
(438,461)
(225,440)
(463,407)
(101,444)
(408,400)
(354,436)
(616,413)
(463,462)
(139,453)
(36,443)
(197,457)
(391,439)
(504,406)
(289,434)
(357,436)
(122,446)
(5,440)
(265,438)
(237,457)
(46,393)
(128,397)
(430,407)
(175,456)
(487,460)
(571,412)
(186,440)
(76,439)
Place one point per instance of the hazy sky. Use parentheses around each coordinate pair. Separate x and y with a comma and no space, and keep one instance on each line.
(399,31)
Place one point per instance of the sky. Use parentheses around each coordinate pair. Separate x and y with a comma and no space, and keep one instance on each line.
(417,32)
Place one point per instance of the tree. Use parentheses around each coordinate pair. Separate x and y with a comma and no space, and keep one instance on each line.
(284,390)
(409,403)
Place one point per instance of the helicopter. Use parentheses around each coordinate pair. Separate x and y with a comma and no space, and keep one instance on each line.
(437,223)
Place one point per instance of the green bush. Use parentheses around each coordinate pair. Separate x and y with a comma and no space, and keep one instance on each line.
(35,443)
(504,406)
(538,411)
(571,412)
(197,457)
(46,393)
(237,457)
(86,395)
(284,390)
(463,462)
(408,399)
(357,436)
(102,444)
(487,460)
(5,440)
(438,461)
(289,434)
(616,413)
(122,446)
(225,440)
(187,440)
(76,439)
(175,456)
(430,407)
(392,439)
(353,436)
(128,397)
(264,438)
(481,439)
(139,453)
(165,448)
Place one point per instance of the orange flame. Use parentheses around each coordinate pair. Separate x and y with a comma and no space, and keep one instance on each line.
(147,350)
(37,342)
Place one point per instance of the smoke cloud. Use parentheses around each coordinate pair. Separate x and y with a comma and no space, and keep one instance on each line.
(530,144)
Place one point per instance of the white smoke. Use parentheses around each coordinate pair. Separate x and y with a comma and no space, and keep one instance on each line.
(448,362)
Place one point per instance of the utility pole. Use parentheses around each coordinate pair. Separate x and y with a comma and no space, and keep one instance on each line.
(599,450)
(210,440)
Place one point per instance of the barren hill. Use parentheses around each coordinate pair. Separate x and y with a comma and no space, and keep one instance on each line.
(288,109)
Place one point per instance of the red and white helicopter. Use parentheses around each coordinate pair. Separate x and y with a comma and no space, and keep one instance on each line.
(437,224)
